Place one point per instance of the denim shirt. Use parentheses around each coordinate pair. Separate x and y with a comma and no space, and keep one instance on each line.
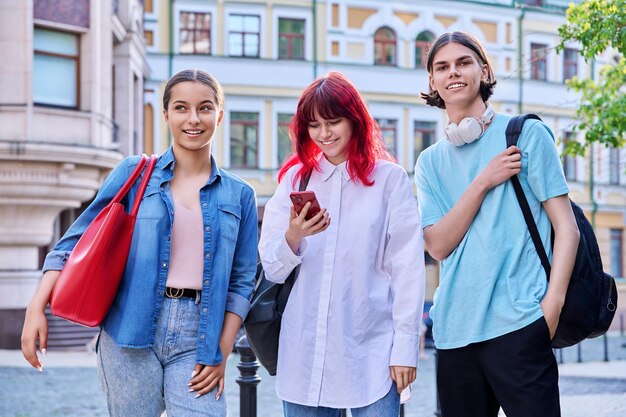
(229,218)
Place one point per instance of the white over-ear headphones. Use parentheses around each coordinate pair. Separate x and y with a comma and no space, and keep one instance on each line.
(469,129)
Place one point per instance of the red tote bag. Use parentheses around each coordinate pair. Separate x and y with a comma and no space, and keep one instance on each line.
(88,283)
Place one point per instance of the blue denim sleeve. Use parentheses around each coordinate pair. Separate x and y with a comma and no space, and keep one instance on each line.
(55,260)
(241,282)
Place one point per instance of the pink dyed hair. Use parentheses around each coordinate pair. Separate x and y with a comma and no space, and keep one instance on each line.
(334,96)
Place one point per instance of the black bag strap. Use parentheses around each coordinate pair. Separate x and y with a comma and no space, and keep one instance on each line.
(304,181)
(513,131)
(285,290)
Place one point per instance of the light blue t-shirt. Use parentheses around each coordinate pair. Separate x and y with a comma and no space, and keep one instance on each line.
(493,282)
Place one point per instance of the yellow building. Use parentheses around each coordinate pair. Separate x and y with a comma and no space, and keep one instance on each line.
(266,52)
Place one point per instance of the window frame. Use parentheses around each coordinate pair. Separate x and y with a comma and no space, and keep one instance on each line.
(74,58)
(384,45)
(538,56)
(290,36)
(387,124)
(616,239)
(194,31)
(422,45)
(243,36)
(614,166)
(244,142)
(569,160)
(282,124)
(432,130)
(570,66)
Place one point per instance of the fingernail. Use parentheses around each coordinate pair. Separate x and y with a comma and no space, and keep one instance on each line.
(40,368)
(197,395)
(190,390)
(43,351)
(217,398)
(193,373)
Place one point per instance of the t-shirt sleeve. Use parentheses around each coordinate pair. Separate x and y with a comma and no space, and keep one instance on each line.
(429,208)
(545,172)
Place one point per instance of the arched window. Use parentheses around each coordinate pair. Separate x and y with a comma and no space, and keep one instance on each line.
(422,43)
(385,47)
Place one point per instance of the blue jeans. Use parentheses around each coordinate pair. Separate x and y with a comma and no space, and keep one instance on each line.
(144,382)
(388,406)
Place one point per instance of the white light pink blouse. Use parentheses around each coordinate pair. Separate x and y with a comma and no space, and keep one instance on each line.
(357,304)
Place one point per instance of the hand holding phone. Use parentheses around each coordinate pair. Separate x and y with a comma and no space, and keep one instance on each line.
(300,198)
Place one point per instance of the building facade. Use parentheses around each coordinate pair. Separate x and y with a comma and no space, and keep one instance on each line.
(265,52)
(81,84)
(71,105)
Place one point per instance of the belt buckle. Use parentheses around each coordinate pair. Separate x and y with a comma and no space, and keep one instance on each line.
(169,292)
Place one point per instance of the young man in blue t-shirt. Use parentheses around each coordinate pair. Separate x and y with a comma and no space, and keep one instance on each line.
(494,312)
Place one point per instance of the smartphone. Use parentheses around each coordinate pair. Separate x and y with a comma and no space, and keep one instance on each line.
(300,198)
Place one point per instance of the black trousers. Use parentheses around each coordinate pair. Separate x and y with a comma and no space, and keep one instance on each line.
(516,371)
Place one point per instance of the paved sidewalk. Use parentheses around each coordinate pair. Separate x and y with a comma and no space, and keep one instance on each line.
(69,387)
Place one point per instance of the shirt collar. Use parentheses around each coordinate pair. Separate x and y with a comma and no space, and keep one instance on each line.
(326,168)
(169,160)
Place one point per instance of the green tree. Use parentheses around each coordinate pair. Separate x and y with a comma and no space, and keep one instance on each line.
(599,26)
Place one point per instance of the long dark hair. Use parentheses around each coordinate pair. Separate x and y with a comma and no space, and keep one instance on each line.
(468,40)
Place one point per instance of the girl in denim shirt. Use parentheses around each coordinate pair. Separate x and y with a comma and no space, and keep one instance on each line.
(189,275)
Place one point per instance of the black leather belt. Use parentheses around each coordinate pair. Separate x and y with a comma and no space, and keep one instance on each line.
(180,292)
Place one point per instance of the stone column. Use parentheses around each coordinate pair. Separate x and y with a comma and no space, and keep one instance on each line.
(37,182)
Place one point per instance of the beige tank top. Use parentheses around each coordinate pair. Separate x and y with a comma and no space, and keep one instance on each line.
(187,250)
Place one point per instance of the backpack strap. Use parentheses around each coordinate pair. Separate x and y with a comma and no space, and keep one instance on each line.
(304,181)
(285,290)
(514,128)
(513,131)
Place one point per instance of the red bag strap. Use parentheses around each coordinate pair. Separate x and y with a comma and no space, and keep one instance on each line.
(131,179)
(144,183)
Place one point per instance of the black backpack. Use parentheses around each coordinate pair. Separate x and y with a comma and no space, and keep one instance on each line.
(592,294)
(262,324)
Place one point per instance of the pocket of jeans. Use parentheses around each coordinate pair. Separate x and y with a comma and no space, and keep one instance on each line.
(230,218)
(545,328)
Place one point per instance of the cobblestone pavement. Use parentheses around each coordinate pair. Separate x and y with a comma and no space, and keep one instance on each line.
(69,385)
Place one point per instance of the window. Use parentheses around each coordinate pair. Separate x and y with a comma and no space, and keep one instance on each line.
(532,2)
(423,136)
(617,263)
(538,64)
(244,138)
(195,33)
(148,36)
(569,161)
(244,35)
(422,43)
(388,129)
(55,68)
(570,63)
(284,143)
(614,166)
(290,39)
(385,47)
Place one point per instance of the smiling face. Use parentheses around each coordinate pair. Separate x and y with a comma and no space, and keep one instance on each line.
(456,75)
(331,136)
(192,115)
